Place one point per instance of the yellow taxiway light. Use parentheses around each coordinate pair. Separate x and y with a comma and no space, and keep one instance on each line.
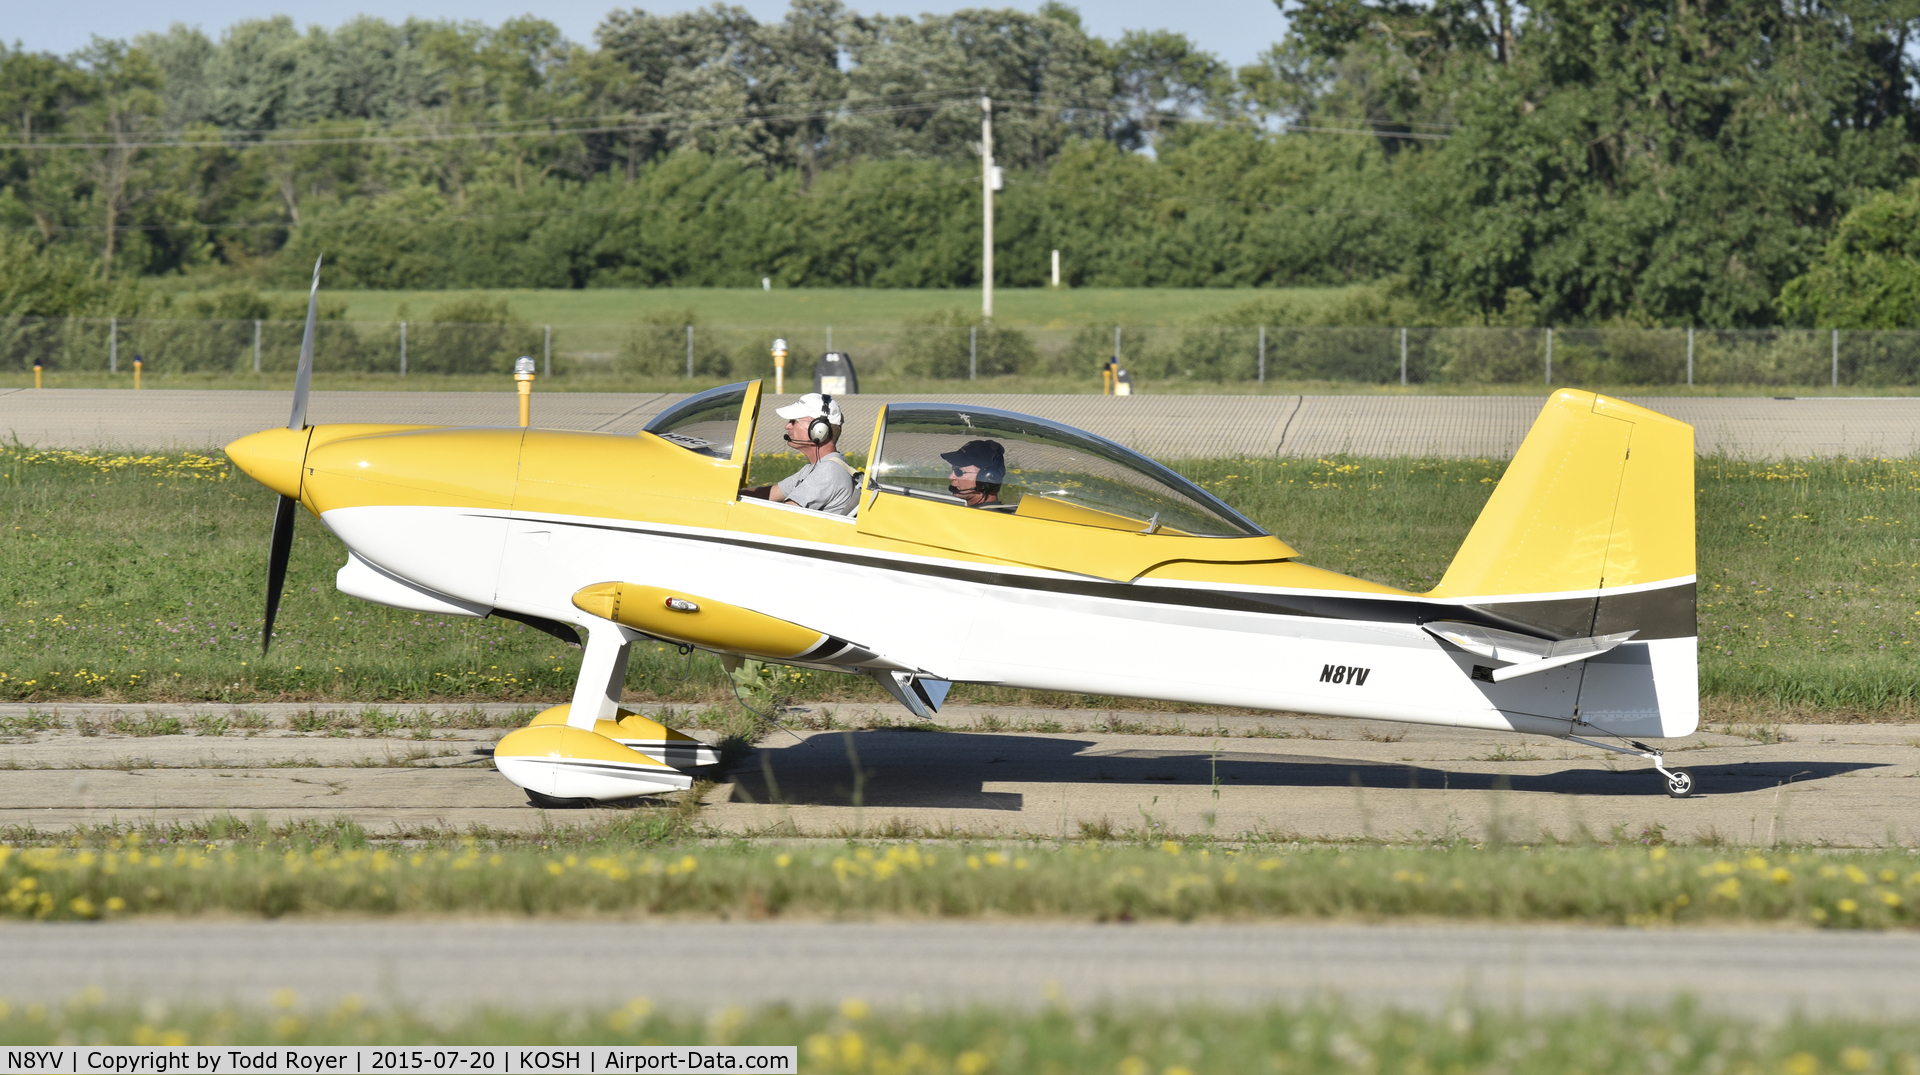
(523,374)
(36,373)
(136,374)
(779,366)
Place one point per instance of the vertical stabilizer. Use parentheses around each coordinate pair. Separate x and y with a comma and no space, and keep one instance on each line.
(1599,496)
(1591,533)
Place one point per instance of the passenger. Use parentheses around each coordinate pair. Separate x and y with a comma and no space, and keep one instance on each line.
(979,466)
(826,482)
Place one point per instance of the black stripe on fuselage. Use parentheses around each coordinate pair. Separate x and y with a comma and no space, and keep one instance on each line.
(1665,612)
(827,647)
(617,768)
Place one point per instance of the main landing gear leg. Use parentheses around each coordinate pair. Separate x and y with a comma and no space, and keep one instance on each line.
(573,764)
(1679,781)
(603,674)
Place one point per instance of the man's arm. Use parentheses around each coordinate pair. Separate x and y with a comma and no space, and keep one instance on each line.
(776,492)
(826,485)
(785,490)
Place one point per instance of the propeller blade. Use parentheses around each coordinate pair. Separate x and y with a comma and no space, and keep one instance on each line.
(282,544)
(277,554)
(304,376)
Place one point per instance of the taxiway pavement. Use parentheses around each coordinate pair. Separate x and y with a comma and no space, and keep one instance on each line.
(1168,426)
(456,966)
(1002,773)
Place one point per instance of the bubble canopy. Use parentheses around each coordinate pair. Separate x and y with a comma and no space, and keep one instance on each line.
(703,423)
(1052,471)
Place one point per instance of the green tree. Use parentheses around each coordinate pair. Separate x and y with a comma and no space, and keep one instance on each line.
(1637,162)
(914,85)
(1868,277)
(689,79)
(1633,159)
(39,282)
(39,93)
(185,58)
(1163,77)
(1287,84)
(122,114)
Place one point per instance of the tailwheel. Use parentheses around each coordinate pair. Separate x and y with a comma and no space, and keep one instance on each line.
(1679,781)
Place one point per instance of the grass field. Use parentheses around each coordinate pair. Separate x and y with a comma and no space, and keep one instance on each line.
(645,866)
(141,578)
(851,1036)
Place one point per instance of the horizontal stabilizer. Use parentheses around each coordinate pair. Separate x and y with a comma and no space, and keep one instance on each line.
(921,696)
(1525,654)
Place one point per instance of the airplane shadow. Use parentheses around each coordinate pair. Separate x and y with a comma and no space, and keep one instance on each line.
(890,767)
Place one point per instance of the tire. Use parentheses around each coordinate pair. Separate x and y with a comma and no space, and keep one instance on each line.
(549,802)
(1679,783)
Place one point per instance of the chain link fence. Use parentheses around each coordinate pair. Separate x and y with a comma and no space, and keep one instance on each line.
(265,346)
(1205,353)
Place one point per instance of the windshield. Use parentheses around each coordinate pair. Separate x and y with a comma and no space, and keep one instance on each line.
(1001,461)
(705,423)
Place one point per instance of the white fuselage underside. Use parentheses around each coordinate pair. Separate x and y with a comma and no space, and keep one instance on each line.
(1033,628)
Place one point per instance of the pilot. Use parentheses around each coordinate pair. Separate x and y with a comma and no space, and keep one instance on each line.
(826,482)
(979,466)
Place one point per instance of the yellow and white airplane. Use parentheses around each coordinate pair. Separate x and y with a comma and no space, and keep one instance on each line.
(1569,611)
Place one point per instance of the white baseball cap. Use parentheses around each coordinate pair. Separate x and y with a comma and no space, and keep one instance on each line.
(813,405)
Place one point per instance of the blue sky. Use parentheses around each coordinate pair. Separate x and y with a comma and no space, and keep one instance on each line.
(1234,30)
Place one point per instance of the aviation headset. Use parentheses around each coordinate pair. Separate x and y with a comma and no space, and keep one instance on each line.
(820,430)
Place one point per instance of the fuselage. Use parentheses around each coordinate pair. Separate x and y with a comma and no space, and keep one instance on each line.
(522,520)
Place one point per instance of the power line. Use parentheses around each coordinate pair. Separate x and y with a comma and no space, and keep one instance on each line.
(713,119)
(686,119)
(1380,130)
(531,124)
(473,218)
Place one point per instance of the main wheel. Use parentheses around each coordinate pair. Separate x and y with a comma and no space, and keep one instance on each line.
(550,802)
(1679,783)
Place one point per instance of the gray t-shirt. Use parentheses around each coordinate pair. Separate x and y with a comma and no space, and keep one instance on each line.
(823,486)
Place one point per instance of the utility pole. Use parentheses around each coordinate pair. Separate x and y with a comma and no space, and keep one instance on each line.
(986,193)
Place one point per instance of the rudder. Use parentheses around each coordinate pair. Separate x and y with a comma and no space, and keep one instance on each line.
(1599,496)
(1590,532)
